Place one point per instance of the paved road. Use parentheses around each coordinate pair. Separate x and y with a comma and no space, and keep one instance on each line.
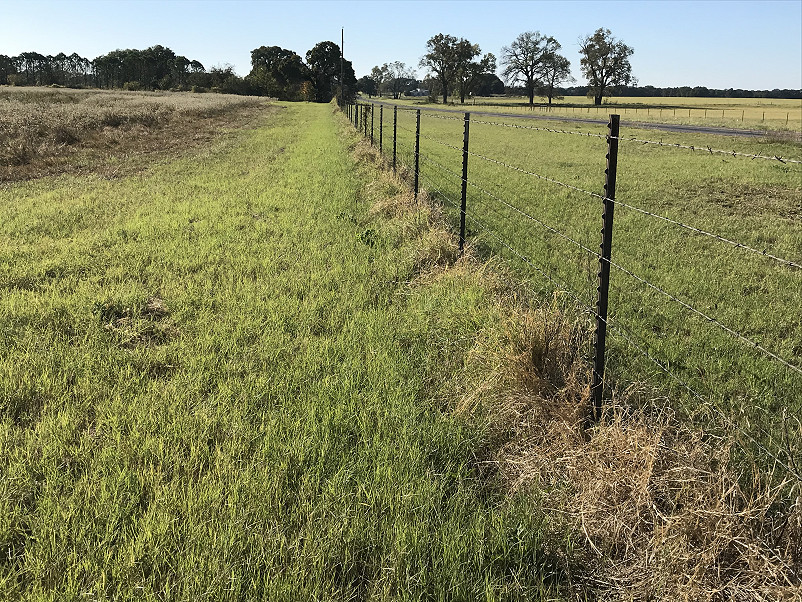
(667,127)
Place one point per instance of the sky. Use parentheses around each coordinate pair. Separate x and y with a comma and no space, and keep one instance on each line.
(718,44)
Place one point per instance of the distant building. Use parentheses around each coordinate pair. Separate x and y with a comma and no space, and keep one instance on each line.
(418,92)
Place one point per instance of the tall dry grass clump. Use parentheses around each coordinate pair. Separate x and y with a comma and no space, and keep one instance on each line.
(654,508)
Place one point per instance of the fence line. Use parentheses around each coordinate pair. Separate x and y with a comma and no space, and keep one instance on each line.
(604,262)
(709,150)
(718,237)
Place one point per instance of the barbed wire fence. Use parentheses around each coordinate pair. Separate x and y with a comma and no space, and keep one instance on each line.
(449,186)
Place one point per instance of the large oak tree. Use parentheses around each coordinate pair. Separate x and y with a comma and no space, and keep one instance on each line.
(605,63)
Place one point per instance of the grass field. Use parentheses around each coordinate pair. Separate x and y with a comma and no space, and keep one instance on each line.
(754,202)
(213,388)
(257,371)
(748,113)
(51,130)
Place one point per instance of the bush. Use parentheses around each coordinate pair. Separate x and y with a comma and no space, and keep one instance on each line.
(132,86)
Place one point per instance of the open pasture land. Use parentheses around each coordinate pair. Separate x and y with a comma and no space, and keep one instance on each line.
(770,114)
(50,130)
(534,197)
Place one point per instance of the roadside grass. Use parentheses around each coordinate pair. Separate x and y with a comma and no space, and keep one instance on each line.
(754,202)
(772,114)
(46,131)
(216,384)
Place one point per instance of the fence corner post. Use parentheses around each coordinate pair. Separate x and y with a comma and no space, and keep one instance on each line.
(600,337)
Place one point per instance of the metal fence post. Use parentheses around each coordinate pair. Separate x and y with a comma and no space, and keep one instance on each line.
(600,338)
(395,130)
(463,206)
(372,111)
(381,127)
(417,150)
(367,110)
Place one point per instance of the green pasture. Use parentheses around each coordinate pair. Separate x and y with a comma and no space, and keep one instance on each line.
(747,113)
(754,202)
(217,384)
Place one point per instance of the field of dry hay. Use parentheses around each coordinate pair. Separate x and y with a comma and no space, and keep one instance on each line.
(48,130)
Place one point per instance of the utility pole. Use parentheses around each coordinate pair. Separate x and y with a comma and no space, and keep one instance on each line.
(342,67)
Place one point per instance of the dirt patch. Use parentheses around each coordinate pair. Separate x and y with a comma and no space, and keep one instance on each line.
(137,325)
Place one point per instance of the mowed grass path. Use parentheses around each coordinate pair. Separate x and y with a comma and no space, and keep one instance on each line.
(216,384)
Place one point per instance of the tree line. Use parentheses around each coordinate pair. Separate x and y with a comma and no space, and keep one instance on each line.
(531,66)
(275,72)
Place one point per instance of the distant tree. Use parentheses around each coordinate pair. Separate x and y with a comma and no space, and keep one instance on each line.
(324,62)
(555,70)
(278,72)
(366,85)
(7,68)
(523,60)
(399,78)
(379,75)
(469,70)
(605,63)
(490,84)
(442,59)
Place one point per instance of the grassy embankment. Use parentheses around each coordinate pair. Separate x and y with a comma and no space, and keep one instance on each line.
(772,114)
(755,202)
(223,378)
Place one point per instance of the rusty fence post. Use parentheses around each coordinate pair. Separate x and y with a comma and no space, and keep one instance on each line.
(600,337)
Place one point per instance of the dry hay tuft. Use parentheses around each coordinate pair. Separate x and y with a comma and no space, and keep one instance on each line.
(654,508)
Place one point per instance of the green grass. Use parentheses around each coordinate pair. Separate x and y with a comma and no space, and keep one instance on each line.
(773,114)
(755,202)
(217,384)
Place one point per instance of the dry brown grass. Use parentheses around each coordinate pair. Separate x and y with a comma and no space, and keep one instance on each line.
(651,508)
(45,131)
(654,508)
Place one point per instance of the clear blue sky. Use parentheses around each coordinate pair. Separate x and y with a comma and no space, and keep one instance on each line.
(719,44)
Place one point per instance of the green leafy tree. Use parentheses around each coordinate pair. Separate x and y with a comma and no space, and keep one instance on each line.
(556,69)
(278,72)
(523,61)
(324,63)
(379,75)
(442,59)
(490,84)
(470,71)
(399,78)
(605,63)
(366,85)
